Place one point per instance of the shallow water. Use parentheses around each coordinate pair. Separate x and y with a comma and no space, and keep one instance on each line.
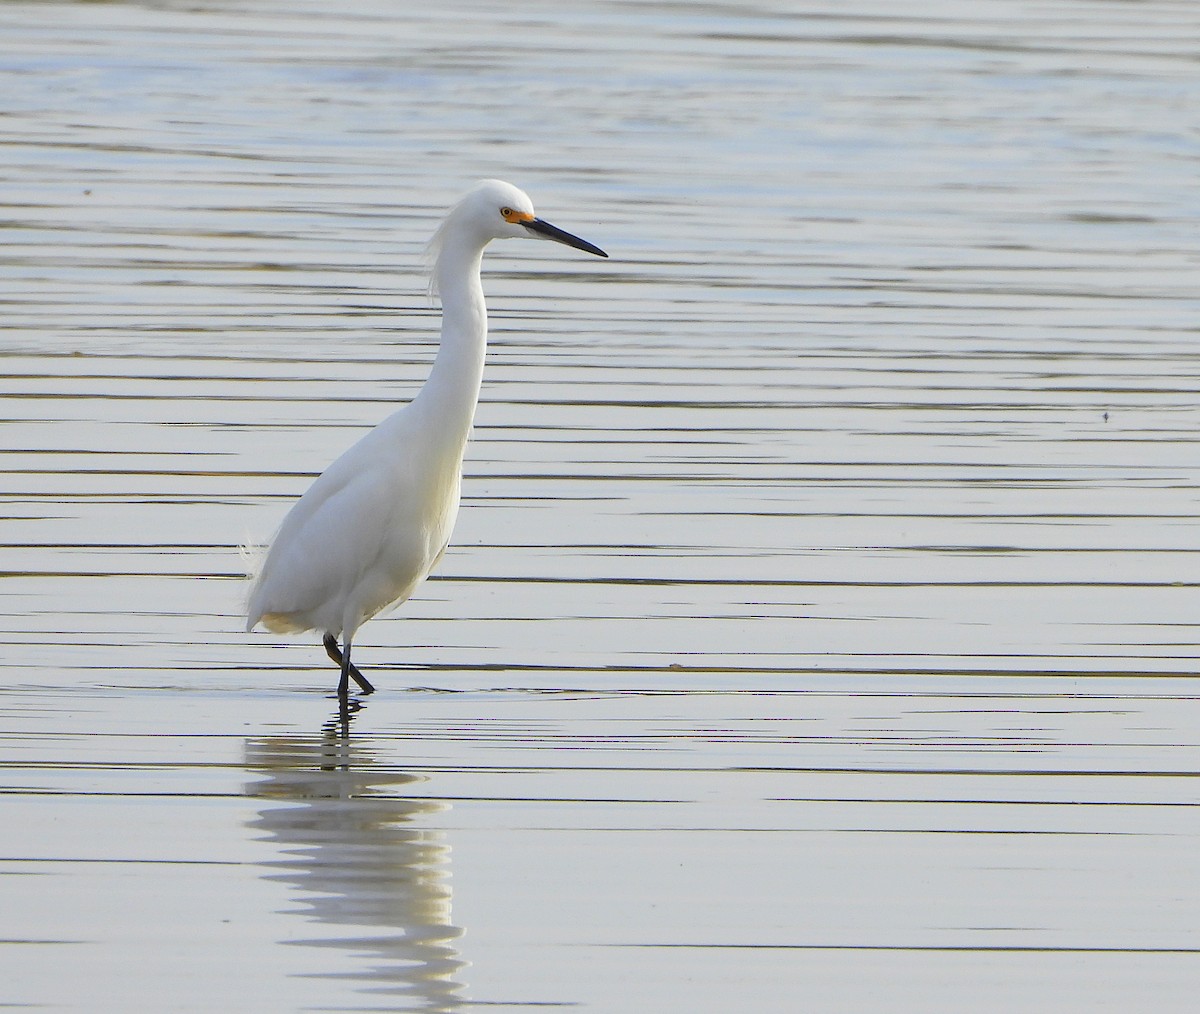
(821,621)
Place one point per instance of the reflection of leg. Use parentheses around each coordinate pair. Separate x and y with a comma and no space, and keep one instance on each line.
(348,670)
(337,728)
(345,708)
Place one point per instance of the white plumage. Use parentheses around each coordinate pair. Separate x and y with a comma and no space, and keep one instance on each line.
(375,523)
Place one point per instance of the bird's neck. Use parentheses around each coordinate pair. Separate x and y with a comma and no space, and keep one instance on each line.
(451,393)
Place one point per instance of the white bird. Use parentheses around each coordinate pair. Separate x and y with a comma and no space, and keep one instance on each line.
(370,529)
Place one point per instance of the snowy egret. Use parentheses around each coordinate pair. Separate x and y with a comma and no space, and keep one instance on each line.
(374,524)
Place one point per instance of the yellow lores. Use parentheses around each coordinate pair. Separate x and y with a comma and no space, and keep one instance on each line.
(376,522)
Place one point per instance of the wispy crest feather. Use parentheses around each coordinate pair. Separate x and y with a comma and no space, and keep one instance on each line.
(429,257)
(433,248)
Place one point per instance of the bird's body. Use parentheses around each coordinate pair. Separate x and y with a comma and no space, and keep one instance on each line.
(333,576)
(369,530)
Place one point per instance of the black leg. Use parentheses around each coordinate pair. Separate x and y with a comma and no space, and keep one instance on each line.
(353,671)
(348,670)
(332,649)
(343,690)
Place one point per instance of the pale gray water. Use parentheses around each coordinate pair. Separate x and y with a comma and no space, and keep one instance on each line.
(822,619)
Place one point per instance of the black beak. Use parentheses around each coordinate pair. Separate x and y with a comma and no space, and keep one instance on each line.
(548,231)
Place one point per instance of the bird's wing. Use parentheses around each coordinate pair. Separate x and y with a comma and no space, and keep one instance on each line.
(357,541)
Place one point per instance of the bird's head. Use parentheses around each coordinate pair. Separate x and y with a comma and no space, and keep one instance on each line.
(498,210)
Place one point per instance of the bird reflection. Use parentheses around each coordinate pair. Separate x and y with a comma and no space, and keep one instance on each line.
(354,859)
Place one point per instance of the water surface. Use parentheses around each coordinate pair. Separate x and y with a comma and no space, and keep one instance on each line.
(821,621)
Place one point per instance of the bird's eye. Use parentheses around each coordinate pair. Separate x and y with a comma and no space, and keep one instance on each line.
(506,212)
